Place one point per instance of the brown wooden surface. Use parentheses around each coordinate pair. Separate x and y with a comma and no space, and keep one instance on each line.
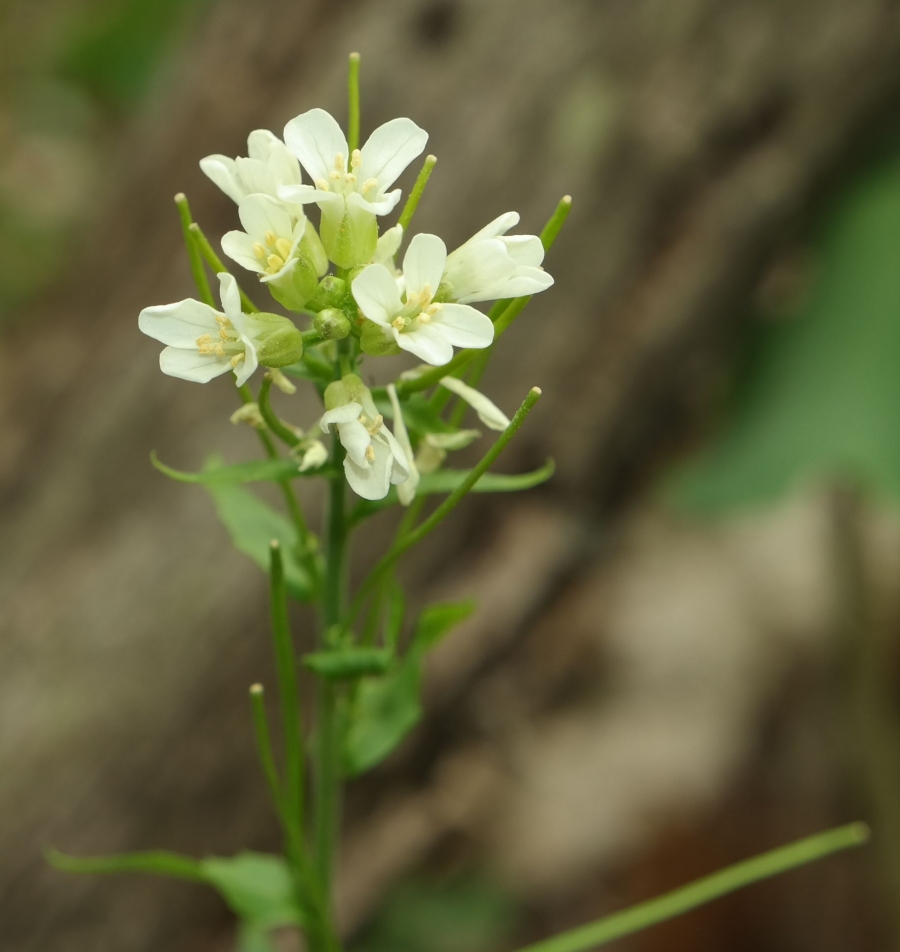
(695,138)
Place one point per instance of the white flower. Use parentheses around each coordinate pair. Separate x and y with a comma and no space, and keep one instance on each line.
(313,454)
(491,266)
(488,412)
(374,458)
(202,342)
(269,165)
(419,324)
(350,189)
(281,249)
(406,491)
(387,247)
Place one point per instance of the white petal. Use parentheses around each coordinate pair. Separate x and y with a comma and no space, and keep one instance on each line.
(315,455)
(222,171)
(388,245)
(256,176)
(230,296)
(477,271)
(261,213)
(428,343)
(342,414)
(178,324)
(400,466)
(192,365)
(238,246)
(423,263)
(356,439)
(284,164)
(407,491)
(525,250)
(499,226)
(452,441)
(376,293)
(372,480)
(463,326)
(523,281)
(390,149)
(316,138)
(245,368)
(304,194)
(488,412)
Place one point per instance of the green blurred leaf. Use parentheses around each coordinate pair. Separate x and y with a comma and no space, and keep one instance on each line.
(263,470)
(419,414)
(388,708)
(253,939)
(444,481)
(343,664)
(156,862)
(252,524)
(438,620)
(257,887)
(820,397)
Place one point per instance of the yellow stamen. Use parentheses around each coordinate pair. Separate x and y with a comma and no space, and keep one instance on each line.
(283,247)
(340,163)
(356,159)
(204,339)
(259,251)
(370,453)
(236,359)
(270,238)
(275,264)
(322,185)
(399,323)
(368,185)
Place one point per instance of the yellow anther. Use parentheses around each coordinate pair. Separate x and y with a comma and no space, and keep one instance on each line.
(220,350)
(236,359)
(375,425)
(259,251)
(206,348)
(424,318)
(283,247)
(275,264)
(355,159)
(335,176)
(433,309)
(340,163)
(223,333)
(369,184)
(222,319)
(350,178)
(399,323)
(204,339)
(322,185)
(270,238)
(370,453)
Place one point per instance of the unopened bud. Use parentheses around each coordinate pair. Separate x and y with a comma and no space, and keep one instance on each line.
(249,414)
(377,341)
(279,341)
(332,324)
(330,293)
(280,381)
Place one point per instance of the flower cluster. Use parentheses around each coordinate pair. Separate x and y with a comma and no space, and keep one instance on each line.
(368,307)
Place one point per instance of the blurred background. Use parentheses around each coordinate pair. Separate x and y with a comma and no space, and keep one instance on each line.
(686,649)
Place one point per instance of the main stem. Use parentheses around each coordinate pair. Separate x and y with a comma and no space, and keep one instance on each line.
(328,791)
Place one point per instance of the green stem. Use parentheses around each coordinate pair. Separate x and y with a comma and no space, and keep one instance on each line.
(281,430)
(387,561)
(264,747)
(193,252)
(328,793)
(412,203)
(704,890)
(215,262)
(286,665)
(353,101)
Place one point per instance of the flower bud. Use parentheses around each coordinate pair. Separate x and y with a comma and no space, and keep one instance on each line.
(332,324)
(278,342)
(349,234)
(330,293)
(297,286)
(377,341)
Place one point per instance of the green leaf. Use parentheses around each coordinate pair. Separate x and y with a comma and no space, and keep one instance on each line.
(157,862)
(257,887)
(387,709)
(436,621)
(345,664)
(820,394)
(264,470)
(444,481)
(252,524)
(420,416)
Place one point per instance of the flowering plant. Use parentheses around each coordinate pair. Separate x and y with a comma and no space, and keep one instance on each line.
(388,444)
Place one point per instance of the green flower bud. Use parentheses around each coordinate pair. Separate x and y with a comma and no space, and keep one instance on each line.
(332,324)
(295,288)
(278,341)
(330,293)
(377,341)
(349,234)
(349,389)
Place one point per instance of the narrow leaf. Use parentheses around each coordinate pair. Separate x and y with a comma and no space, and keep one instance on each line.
(264,470)
(436,621)
(349,663)
(257,887)
(157,862)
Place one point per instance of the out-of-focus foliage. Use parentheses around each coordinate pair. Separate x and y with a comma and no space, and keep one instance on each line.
(68,74)
(820,392)
(468,915)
